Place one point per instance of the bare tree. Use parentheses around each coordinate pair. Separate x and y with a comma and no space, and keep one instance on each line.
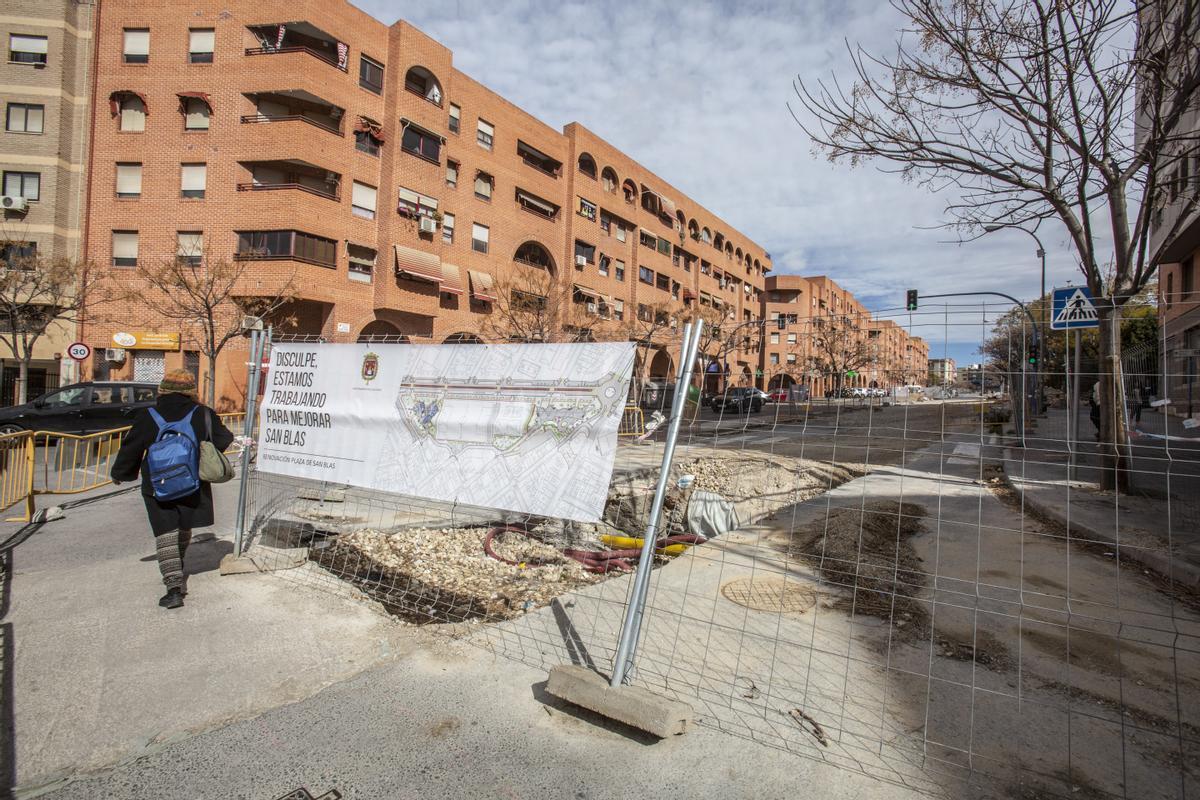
(837,347)
(208,300)
(38,294)
(531,306)
(1033,111)
(647,327)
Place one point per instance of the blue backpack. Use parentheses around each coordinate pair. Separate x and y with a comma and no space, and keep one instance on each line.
(173,460)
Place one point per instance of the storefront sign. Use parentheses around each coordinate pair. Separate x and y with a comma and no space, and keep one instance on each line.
(146,340)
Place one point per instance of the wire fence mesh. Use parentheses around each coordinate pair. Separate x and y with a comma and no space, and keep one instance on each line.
(924,585)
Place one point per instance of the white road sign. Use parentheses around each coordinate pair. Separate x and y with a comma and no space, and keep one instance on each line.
(1072,307)
(79,351)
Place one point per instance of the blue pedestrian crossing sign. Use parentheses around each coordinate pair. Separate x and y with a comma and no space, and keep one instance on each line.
(1072,307)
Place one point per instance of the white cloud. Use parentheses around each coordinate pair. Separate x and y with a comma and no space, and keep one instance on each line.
(697,92)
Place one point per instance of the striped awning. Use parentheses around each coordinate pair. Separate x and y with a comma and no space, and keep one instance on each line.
(481,287)
(590,294)
(668,205)
(451,279)
(418,264)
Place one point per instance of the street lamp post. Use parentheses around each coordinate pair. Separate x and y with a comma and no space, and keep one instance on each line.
(1041,254)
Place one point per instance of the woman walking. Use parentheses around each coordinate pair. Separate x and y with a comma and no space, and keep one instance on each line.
(171,521)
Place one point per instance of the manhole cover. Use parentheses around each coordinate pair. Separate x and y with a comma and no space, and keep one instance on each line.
(770,594)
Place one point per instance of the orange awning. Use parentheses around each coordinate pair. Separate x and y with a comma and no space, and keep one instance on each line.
(418,264)
(481,287)
(451,279)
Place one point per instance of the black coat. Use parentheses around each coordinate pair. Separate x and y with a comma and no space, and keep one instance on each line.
(193,511)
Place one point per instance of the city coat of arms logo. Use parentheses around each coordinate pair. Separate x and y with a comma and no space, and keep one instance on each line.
(370,367)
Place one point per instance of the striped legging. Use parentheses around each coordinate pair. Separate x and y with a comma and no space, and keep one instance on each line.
(170,548)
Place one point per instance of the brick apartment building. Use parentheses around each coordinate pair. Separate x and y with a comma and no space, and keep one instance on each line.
(43,150)
(816,309)
(943,372)
(396,194)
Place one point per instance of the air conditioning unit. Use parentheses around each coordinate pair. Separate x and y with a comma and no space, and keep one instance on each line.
(114,354)
(428,225)
(591,308)
(14,202)
(250,323)
(581,261)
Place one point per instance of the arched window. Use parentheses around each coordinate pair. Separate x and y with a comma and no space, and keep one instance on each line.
(419,80)
(728,249)
(706,235)
(629,189)
(757,266)
(463,338)
(681,220)
(587,165)
(381,331)
(719,242)
(738,255)
(532,254)
(608,179)
(694,230)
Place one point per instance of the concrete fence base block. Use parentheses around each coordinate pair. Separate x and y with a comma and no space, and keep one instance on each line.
(232,565)
(631,705)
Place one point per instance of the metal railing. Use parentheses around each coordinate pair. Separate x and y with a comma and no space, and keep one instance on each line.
(267,187)
(270,51)
(633,422)
(49,462)
(256,118)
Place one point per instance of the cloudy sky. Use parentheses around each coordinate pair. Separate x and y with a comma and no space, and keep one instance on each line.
(698,92)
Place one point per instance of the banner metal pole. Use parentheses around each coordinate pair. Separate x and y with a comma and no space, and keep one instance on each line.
(253,368)
(641,582)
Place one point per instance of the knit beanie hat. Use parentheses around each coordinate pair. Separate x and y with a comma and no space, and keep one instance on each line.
(181,381)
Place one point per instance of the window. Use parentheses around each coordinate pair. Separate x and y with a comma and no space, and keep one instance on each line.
(479,237)
(125,248)
(414,204)
(606,222)
(587,165)
(366,142)
(193,178)
(1169,298)
(23,184)
(362,262)
(587,209)
(201,43)
(455,121)
(619,270)
(421,143)
(791,338)
(608,180)
(129,180)
(448,228)
(485,135)
(287,244)
(195,114)
(649,239)
(484,184)
(362,200)
(662,281)
(538,160)
(791,358)
(775,338)
(18,255)
(27,49)
(705,267)
(420,81)
(618,309)
(664,247)
(133,113)
(774,359)
(587,251)
(629,190)
(1187,284)
(137,45)
(644,313)
(622,231)
(605,261)
(451,173)
(370,74)
(65,397)
(646,275)
(190,247)
(25,118)
(534,255)
(536,205)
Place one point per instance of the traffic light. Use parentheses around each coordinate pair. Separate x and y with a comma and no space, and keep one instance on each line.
(1033,354)
(911,305)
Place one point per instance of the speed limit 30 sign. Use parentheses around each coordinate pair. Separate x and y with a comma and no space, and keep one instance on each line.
(79,351)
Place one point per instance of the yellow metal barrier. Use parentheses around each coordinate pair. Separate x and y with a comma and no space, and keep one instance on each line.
(633,422)
(233,421)
(16,472)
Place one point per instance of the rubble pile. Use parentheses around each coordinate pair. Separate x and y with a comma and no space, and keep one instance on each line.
(443,575)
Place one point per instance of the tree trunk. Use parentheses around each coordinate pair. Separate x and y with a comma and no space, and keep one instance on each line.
(1114,445)
(22,387)
(210,382)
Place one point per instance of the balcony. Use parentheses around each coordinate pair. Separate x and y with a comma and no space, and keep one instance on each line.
(295,175)
(295,105)
(299,37)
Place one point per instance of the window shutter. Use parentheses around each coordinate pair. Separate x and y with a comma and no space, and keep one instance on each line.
(455,112)
(137,43)
(129,178)
(201,41)
(194,177)
(29,44)
(125,244)
(448,222)
(486,127)
(479,232)
(197,113)
(363,196)
(191,244)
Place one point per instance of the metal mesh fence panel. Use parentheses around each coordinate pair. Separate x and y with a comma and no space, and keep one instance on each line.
(935,586)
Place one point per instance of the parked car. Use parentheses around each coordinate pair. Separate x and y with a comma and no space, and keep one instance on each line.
(80,408)
(742,399)
(658,396)
(780,395)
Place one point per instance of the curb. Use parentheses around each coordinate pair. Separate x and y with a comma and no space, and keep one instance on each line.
(1180,571)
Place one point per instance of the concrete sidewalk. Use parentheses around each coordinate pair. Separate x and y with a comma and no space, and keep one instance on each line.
(1157,525)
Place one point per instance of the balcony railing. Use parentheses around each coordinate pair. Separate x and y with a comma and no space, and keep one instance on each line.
(267,187)
(254,118)
(270,51)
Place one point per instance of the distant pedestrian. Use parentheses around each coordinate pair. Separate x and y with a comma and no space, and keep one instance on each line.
(172,521)
(1094,399)
(1143,401)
